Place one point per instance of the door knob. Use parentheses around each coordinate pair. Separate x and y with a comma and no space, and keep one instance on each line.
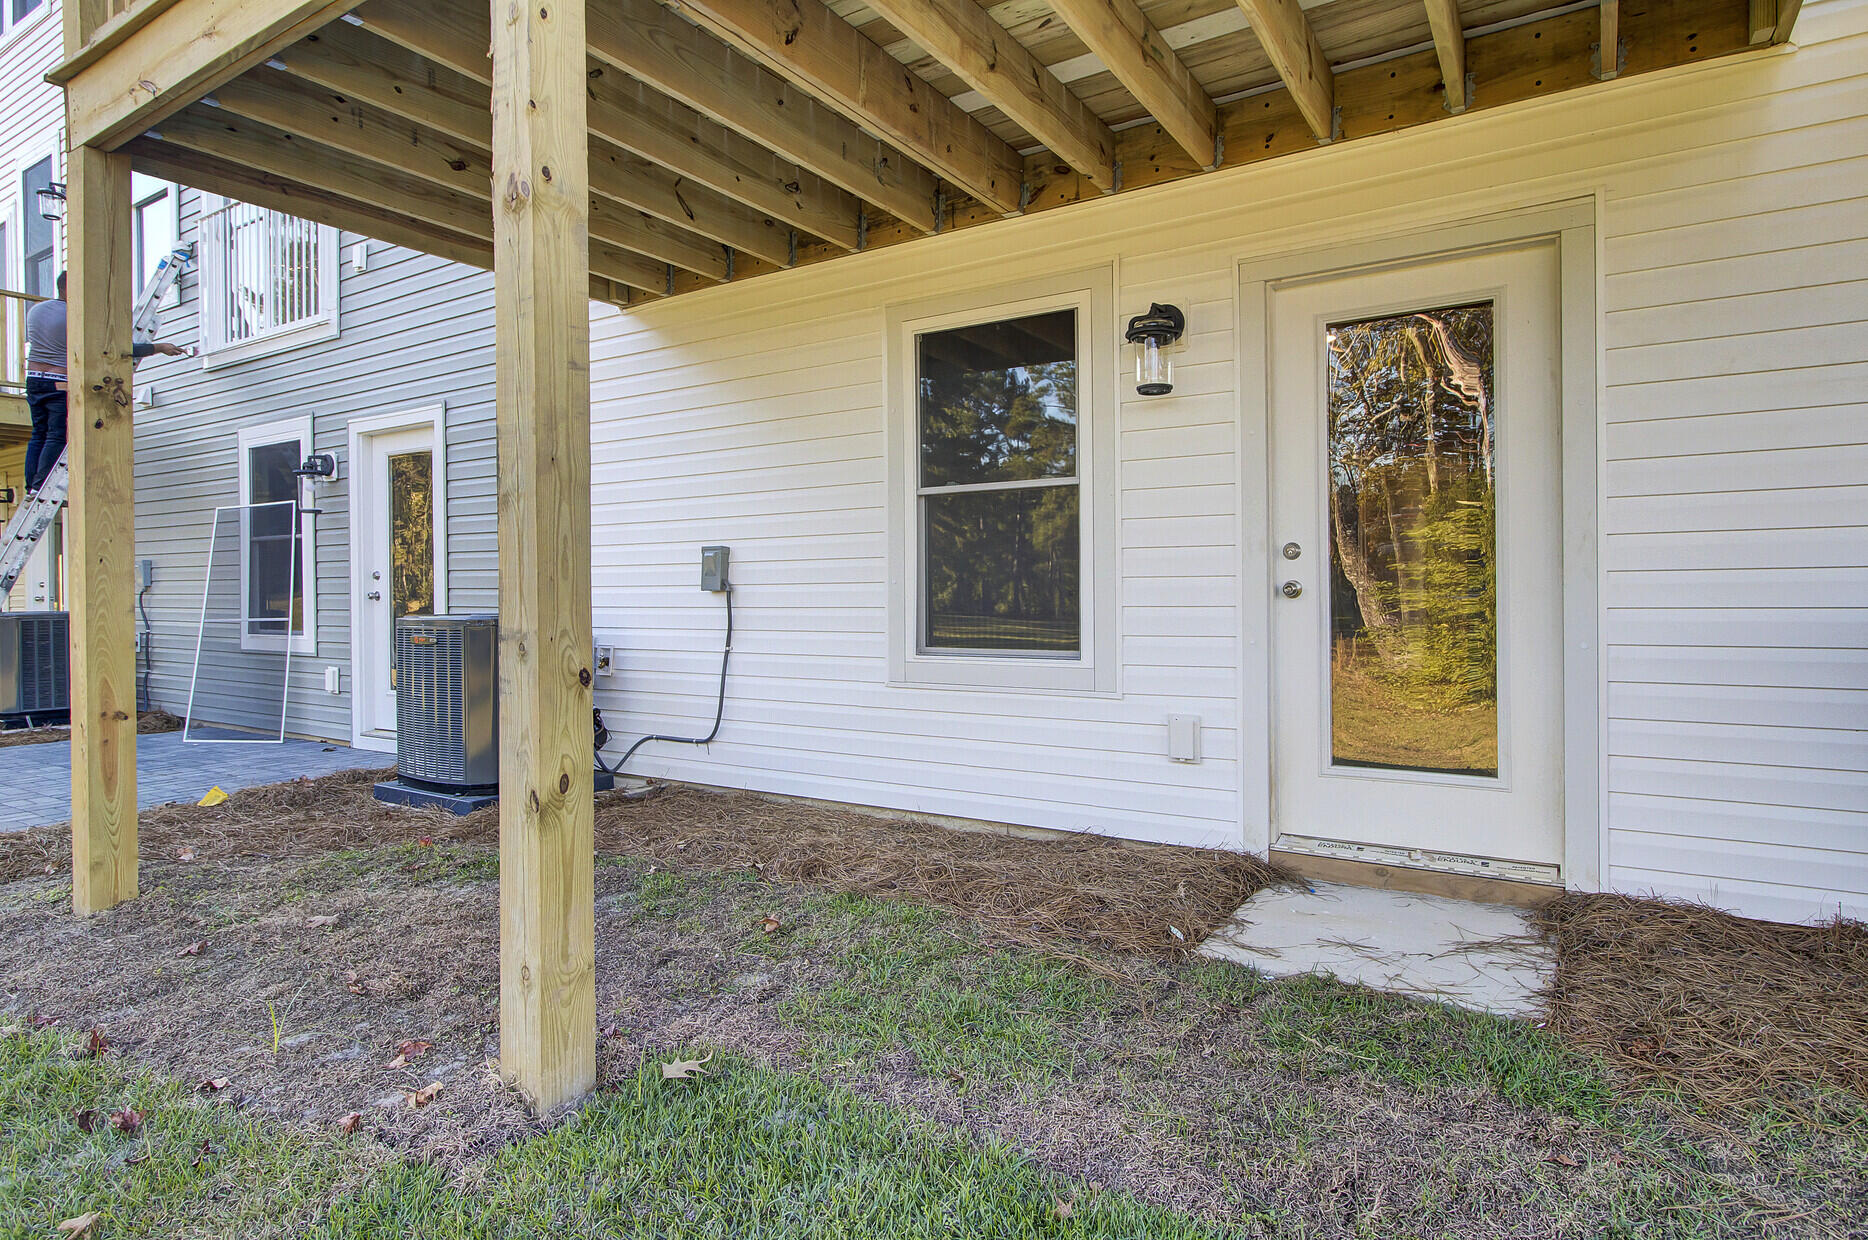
(374,595)
(1291,589)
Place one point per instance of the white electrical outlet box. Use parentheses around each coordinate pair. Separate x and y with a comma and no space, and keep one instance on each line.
(1184,738)
(604,661)
(333,680)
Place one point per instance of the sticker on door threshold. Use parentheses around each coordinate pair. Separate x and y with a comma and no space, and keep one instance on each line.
(1421,859)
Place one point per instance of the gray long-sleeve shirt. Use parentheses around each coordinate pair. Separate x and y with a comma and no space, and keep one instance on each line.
(45,341)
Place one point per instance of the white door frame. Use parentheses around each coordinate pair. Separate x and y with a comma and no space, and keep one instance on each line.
(1573,227)
(361,461)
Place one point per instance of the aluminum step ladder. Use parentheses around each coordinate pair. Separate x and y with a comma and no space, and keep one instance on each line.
(33,518)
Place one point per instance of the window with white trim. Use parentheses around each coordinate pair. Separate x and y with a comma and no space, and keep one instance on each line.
(1005,492)
(155,228)
(38,235)
(278,586)
(16,15)
(268,281)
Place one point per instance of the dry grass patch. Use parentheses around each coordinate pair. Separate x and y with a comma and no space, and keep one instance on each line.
(1085,890)
(1730,1011)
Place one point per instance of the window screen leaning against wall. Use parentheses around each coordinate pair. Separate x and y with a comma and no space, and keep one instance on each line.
(998,487)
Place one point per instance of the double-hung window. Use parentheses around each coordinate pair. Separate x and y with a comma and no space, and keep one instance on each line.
(38,235)
(155,228)
(277,586)
(1002,494)
(268,281)
(17,14)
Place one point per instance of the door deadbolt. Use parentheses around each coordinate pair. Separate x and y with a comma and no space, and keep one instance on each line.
(1291,589)
(1292,551)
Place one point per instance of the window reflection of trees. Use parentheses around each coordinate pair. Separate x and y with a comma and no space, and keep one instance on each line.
(412,533)
(1414,603)
(998,405)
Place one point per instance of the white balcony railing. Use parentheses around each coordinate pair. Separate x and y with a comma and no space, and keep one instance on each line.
(265,276)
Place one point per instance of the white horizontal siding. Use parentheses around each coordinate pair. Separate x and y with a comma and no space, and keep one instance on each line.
(1733,322)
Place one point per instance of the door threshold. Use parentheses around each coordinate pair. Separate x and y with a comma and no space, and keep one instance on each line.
(1418,870)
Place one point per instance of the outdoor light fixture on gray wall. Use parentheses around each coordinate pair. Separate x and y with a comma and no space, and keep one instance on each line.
(52,201)
(1150,333)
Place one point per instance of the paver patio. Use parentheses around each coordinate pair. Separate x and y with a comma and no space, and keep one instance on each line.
(37,778)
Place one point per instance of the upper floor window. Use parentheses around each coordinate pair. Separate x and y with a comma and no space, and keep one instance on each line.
(16,13)
(155,226)
(268,281)
(38,235)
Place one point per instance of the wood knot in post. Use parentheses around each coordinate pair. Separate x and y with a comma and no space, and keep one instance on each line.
(525,975)
(564,784)
(518,191)
(533,797)
(545,171)
(583,677)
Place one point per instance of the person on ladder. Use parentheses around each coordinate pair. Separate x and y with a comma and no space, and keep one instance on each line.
(45,383)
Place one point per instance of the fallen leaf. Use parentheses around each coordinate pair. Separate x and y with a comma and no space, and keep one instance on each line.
(214,796)
(184,854)
(206,1150)
(97,1045)
(426,841)
(193,949)
(213,1085)
(610,1032)
(129,1119)
(346,1125)
(352,982)
(405,1051)
(80,1226)
(683,1069)
(318,923)
(771,924)
(1062,1208)
(425,1095)
(86,1120)
(1562,1160)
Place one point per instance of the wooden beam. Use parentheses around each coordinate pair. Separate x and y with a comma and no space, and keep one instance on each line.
(1291,46)
(440,105)
(102,525)
(964,37)
(316,203)
(1449,43)
(651,44)
(216,132)
(1608,47)
(629,114)
(290,106)
(179,55)
(1128,44)
(811,46)
(547,1000)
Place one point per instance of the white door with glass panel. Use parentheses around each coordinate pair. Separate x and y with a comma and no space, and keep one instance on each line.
(396,571)
(1417,564)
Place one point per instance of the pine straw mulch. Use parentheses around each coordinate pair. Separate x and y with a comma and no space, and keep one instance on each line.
(148,722)
(1729,1011)
(1085,890)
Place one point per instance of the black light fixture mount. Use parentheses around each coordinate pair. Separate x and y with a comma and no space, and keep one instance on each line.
(1150,333)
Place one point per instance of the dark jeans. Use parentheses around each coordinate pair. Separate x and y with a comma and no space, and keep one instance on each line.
(48,429)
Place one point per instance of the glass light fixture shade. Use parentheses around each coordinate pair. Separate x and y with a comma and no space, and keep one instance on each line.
(1154,369)
(51,202)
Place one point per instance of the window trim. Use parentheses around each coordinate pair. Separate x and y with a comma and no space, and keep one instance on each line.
(1093,669)
(311,331)
(173,193)
(291,430)
(10,29)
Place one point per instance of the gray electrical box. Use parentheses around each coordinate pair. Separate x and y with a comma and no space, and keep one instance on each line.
(713,569)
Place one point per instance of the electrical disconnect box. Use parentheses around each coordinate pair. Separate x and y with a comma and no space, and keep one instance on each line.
(1184,738)
(713,576)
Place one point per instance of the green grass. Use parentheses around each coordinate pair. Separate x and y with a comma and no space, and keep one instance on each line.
(912,983)
(748,1152)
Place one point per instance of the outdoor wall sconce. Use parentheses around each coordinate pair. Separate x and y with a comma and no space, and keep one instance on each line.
(1150,333)
(52,202)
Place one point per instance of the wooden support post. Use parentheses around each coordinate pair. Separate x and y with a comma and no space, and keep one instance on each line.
(541,251)
(102,525)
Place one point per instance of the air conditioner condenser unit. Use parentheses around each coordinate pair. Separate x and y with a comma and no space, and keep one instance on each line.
(35,667)
(447,702)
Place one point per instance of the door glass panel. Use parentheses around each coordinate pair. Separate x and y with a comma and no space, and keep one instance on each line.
(1413,574)
(412,534)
